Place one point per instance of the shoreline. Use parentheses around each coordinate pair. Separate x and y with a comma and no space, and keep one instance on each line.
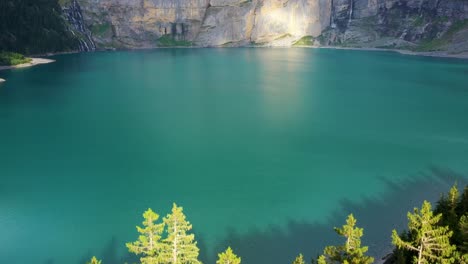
(434,54)
(35,61)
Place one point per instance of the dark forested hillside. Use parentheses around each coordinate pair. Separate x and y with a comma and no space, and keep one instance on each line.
(34,26)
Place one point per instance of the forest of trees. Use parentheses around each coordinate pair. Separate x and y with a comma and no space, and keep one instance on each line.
(11,58)
(34,27)
(438,236)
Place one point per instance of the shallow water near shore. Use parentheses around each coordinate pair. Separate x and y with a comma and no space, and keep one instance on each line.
(266,149)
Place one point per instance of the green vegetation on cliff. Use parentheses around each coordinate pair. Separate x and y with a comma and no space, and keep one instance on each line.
(33,27)
(11,59)
(439,44)
(169,41)
(305,41)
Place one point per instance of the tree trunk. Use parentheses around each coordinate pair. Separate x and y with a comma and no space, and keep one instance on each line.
(420,254)
(174,250)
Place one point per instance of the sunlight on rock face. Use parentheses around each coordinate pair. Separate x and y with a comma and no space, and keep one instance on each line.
(278,22)
(282,19)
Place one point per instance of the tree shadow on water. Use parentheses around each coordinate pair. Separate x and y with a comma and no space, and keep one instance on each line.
(202,246)
(110,254)
(377,215)
(49,261)
(281,244)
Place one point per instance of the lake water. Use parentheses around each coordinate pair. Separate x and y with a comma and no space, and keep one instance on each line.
(266,149)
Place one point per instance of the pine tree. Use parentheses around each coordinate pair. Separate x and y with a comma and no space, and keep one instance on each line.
(430,241)
(462,207)
(94,260)
(351,252)
(299,260)
(148,244)
(447,206)
(228,257)
(179,247)
(464,233)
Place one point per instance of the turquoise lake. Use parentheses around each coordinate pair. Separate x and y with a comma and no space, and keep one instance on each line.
(266,149)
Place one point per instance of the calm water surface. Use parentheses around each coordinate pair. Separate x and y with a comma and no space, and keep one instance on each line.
(266,149)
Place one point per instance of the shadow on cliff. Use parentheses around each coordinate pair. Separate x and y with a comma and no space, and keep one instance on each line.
(378,216)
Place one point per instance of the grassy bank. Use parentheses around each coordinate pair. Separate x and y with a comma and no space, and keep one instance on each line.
(12,59)
(169,41)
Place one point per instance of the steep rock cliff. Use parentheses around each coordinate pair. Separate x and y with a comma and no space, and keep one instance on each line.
(140,23)
(422,25)
(290,19)
(413,24)
(227,23)
(76,26)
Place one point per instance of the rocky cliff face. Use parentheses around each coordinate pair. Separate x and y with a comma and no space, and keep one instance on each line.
(265,22)
(424,24)
(140,23)
(76,26)
(414,24)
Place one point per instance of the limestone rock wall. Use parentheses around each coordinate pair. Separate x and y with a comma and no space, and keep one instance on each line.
(278,19)
(363,23)
(425,25)
(140,23)
(227,23)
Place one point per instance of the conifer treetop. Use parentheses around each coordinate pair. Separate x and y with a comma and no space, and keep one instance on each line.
(351,252)
(429,240)
(228,257)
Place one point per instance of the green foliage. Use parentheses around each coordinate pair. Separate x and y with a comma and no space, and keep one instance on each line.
(11,58)
(299,260)
(464,233)
(451,206)
(305,41)
(428,240)
(418,21)
(64,2)
(33,27)
(462,207)
(228,257)
(463,259)
(169,41)
(149,242)
(403,255)
(179,247)
(351,252)
(447,206)
(94,260)
(438,43)
(101,29)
